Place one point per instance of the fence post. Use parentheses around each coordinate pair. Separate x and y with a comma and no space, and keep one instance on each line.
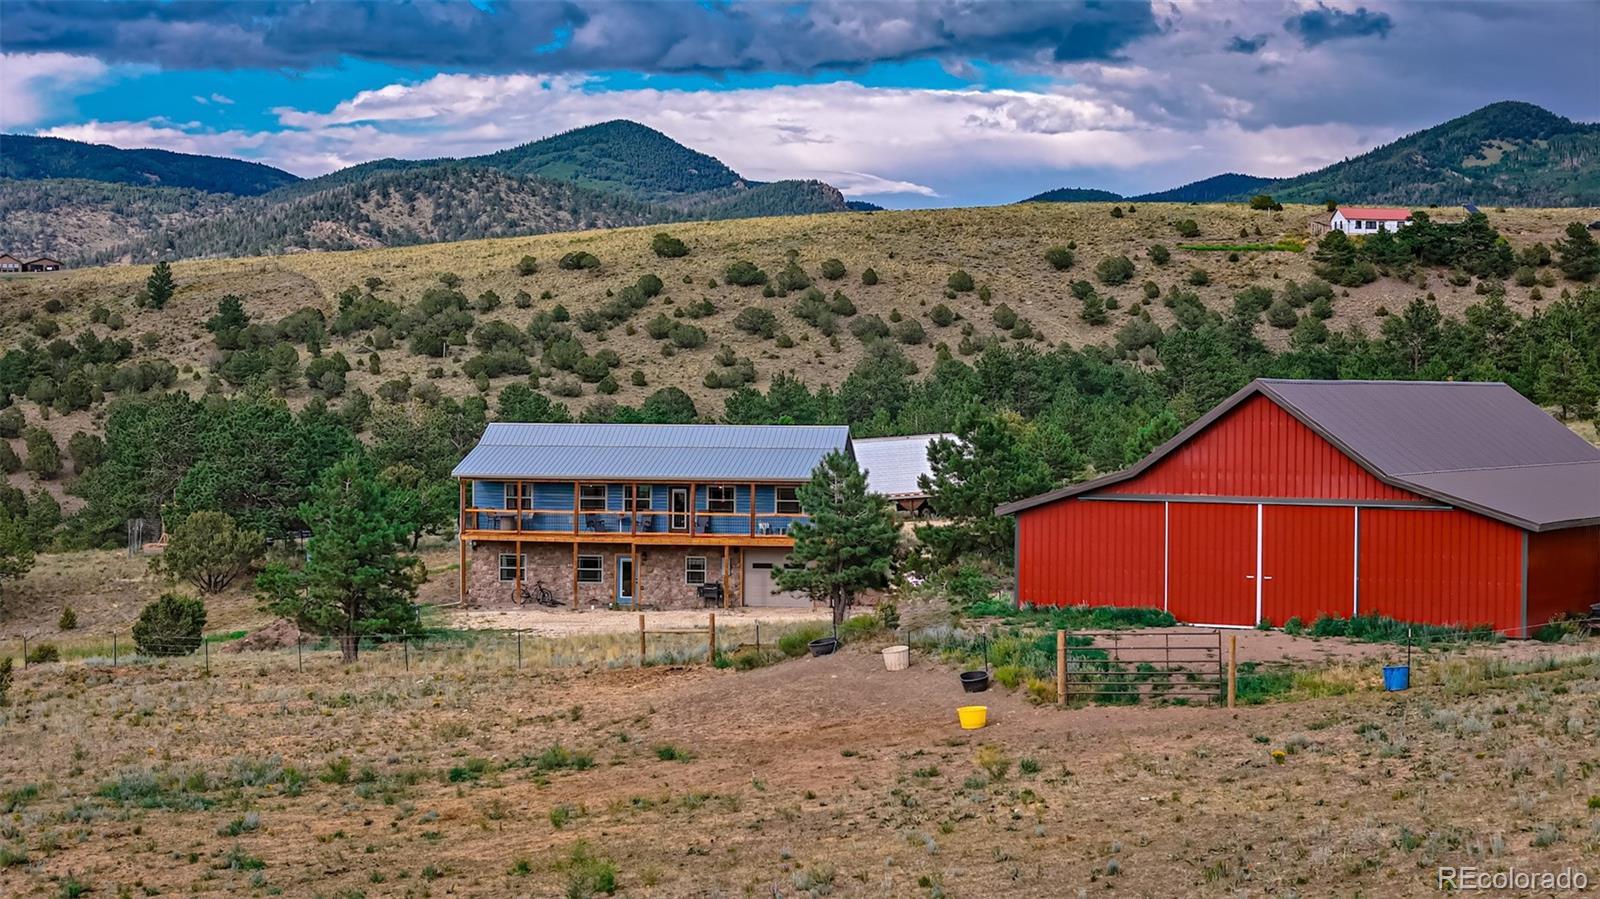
(1233,668)
(758,637)
(207,647)
(519,650)
(712,631)
(1061,667)
(113,649)
(405,651)
(299,657)
(641,641)
(24,650)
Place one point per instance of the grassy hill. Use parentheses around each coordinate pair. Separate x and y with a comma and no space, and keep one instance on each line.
(38,158)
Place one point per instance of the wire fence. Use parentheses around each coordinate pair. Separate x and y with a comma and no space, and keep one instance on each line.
(439,650)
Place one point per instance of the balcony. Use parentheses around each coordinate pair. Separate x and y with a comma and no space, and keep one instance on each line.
(629,513)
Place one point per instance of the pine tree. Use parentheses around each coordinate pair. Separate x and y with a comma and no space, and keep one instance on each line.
(356,579)
(848,544)
(16,548)
(1579,254)
(1565,382)
(159,287)
(991,463)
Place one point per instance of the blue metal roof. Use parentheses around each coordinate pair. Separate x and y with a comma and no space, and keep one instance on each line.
(652,452)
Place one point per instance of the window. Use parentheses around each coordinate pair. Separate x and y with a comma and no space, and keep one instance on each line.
(592,498)
(508,566)
(788,501)
(510,501)
(694,570)
(719,498)
(591,569)
(636,502)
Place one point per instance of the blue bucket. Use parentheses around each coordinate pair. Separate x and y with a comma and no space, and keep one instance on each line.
(1396,678)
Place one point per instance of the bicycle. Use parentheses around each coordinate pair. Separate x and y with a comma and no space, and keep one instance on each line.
(540,594)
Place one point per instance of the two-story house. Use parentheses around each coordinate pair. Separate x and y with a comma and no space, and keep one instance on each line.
(631,515)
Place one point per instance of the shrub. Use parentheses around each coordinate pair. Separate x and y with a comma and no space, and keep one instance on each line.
(68,620)
(44,456)
(1114,270)
(909,332)
(1094,310)
(833,269)
(5,680)
(1159,254)
(170,626)
(588,875)
(11,422)
(745,274)
(1199,278)
(941,315)
(1060,258)
(668,247)
(527,265)
(10,462)
(208,550)
(959,281)
(1005,318)
(1186,228)
(43,654)
(1281,315)
(579,260)
(869,277)
(795,643)
(686,336)
(756,320)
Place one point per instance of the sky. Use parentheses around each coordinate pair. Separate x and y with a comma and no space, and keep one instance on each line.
(905,104)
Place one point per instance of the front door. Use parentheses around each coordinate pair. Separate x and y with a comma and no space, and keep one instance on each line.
(680,508)
(1211,563)
(624,580)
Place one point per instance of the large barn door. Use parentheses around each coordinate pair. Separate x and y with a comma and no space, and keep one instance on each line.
(1308,562)
(1211,563)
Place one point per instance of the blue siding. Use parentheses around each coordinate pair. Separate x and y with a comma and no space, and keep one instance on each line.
(556,502)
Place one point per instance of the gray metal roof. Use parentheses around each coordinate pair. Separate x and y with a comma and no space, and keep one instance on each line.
(892,464)
(651,452)
(1477,445)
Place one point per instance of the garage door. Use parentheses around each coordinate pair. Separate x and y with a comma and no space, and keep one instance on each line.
(1307,562)
(760,581)
(1211,563)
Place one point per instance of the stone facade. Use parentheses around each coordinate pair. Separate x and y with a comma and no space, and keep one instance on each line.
(659,581)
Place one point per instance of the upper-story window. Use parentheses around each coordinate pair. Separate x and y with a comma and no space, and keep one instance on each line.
(636,499)
(788,501)
(720,498)
(592,498)
(511,494)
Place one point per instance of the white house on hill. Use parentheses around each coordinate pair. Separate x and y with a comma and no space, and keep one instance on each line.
(1368,219)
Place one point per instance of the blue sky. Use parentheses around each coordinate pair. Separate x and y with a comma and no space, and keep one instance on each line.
(901,103)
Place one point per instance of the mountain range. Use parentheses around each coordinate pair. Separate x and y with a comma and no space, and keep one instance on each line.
(1505,154)
(88,203)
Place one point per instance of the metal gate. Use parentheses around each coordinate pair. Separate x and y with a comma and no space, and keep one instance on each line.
(1122,668)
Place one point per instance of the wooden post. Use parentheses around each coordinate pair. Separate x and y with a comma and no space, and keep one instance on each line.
(575,511)
(519,516)
(1061,667)
(693,495)
(574,570)
(1233,668)
(726,597)
(753,508)
(461,538)
(113,649)
(641,640)
(516,575)
(633,555)
(633,522)
(712,658)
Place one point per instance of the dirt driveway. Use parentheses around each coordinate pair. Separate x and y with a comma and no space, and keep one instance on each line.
(565,622)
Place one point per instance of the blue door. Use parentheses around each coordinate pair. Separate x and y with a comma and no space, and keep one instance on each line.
(624,580)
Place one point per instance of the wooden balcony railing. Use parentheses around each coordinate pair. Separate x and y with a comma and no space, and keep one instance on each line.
(688,524)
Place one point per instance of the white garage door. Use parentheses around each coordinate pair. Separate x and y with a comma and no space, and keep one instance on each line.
(760,581)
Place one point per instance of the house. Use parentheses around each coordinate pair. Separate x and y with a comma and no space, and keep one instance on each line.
(893,465)
(1368,219)
(42,264)
(634,515)
(10,263)
(1441,503)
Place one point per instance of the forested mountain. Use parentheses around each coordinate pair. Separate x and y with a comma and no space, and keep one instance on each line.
(39,158)
(1505,154)
(1217,188)
(1509,154)
(396,208)
(614,173)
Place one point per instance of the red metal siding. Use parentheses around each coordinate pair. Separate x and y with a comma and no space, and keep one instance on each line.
(1211,560)
(1077,552)
(1441,567)
(1563,573)
(1308,556)
(1260,450)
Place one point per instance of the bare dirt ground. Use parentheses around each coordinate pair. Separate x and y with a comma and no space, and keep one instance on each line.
(817,777)
(565,622)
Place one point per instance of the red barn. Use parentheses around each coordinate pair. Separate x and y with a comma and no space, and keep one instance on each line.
(1431,502)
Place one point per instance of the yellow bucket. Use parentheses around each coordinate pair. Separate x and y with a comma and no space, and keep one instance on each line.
(973,716)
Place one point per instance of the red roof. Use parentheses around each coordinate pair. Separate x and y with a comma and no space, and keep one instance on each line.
(1375,212)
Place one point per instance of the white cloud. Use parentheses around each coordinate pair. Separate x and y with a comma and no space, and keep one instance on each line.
(34,82)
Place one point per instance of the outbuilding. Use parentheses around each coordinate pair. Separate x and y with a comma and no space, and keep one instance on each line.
(1430,502)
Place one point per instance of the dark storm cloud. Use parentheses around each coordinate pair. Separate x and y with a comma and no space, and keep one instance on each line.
(1316,26)
(1247,45)
(575,35)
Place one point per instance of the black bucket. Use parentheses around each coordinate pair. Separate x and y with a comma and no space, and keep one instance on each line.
(823,646)
(974,681)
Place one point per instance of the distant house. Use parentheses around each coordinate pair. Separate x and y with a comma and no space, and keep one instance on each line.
(893,465)
(42,264)
(669,516)
(10,263)
(1471,208)
(1368,219)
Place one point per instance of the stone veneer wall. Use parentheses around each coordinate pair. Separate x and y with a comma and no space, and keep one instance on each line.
(658,573)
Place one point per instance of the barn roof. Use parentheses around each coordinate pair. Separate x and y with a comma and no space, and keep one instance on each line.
(1475,445)
(892,464)
(646,452)
(1379,213)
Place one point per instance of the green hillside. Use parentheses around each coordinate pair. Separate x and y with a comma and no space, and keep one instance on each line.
(1074,195)
(618,157)
(1217,188)
(38,158)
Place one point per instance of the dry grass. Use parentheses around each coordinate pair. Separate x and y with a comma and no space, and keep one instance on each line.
(815,777)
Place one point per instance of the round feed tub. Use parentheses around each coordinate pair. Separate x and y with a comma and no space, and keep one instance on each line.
(823,646)
(897,658)
(974,681)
